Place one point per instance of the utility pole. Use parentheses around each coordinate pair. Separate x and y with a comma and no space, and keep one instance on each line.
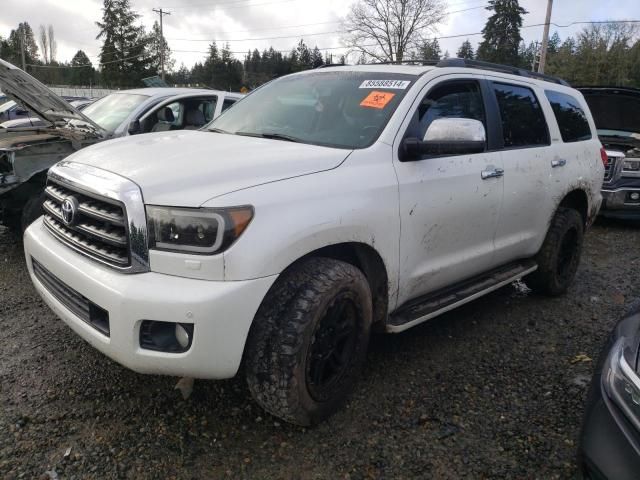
(545,38)
(161,40)
(22,42)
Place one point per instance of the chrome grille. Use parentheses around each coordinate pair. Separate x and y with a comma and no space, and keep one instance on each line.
(610,168)
(99,228)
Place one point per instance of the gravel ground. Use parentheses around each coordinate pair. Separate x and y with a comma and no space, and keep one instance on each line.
(493,390)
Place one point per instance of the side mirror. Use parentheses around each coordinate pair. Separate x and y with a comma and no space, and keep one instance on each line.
(134,127)
(446,136)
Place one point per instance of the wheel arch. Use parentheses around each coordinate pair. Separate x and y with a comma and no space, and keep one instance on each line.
(578,200)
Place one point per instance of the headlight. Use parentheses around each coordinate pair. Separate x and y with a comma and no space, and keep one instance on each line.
(631,166)
(623,384)
(203,231)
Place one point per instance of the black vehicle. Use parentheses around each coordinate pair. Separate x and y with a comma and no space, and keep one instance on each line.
(616,112)
(610,438)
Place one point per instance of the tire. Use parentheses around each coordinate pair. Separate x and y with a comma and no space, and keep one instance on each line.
(32,210)
(559,257)
(296,367)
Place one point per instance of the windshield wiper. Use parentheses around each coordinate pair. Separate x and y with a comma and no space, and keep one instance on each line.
(217,130)
(271,136)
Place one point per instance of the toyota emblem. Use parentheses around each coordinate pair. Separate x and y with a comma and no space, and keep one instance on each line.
(69,209)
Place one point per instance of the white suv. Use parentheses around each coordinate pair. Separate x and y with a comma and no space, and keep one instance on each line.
(323,204)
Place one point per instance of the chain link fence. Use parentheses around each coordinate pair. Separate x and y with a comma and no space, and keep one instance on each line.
(72,91)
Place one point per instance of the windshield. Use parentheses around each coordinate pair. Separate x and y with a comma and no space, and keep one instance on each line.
(336,109)
(110,111)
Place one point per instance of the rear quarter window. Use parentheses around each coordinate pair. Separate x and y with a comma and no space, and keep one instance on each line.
(523,122)
(572,121)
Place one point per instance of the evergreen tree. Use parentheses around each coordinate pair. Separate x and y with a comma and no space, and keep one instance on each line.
(158,45)
(501,34)
(316,58)
(465,50)
(124,54)
(430,50)
(304,56)
(82,72)
(14,44)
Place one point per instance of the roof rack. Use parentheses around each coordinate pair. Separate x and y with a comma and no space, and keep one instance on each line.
(327,65)
(464,63)
(430,62)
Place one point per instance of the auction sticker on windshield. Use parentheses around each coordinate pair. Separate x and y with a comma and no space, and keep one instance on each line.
(391,84)
(377,99)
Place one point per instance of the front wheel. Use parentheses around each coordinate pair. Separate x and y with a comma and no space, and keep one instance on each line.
(309,340)
(559,257)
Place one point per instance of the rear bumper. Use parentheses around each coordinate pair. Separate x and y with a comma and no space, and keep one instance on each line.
(221,312)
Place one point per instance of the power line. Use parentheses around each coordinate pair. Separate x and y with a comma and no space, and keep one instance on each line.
(224,40)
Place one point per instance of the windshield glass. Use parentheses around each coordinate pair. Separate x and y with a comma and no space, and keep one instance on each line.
(110,111)
(336,109)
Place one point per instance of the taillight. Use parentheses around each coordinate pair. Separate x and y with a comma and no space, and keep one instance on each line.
(603,156)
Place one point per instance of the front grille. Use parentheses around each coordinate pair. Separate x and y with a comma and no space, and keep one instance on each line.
(609,168)
(83,308)
(98,229)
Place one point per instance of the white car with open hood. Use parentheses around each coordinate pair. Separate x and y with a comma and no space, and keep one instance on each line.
(324,204)
(29,149)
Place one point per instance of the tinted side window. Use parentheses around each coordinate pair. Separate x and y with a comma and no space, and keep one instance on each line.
(523,123)
(227,103)
(456,99)
(571,119)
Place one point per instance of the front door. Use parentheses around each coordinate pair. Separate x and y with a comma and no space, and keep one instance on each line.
(448,211)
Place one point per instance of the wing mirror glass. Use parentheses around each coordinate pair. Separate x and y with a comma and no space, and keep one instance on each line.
(134,127)
(446,136)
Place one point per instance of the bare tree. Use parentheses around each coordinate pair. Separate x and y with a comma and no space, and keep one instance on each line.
(44,44)
(53,45)
(386,30)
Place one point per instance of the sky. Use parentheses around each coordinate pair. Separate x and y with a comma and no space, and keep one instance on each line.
(249,24)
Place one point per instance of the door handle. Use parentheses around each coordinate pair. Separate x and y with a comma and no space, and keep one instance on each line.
(492,173)
(558,163)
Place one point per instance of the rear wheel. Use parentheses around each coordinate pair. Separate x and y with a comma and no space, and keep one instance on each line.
(559,257)
(309,340)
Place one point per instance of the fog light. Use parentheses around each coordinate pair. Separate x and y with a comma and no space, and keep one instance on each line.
(182,336)
(168,337)
(635,196)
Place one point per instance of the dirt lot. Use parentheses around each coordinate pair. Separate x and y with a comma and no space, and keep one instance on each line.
(493,390)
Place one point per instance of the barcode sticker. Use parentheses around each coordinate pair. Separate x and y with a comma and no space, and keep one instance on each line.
(391,84)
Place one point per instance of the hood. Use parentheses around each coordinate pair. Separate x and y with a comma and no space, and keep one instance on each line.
(614,108)
(23,88)
(188,167)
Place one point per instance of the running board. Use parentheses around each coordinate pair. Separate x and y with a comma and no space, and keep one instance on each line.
(436,303)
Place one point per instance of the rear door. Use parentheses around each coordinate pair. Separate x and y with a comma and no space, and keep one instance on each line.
(527,152)
(448,212)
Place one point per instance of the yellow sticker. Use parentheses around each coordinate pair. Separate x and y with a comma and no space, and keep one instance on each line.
(377,99)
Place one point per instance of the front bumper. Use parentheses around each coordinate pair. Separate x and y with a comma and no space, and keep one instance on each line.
(222,312)
(616,204)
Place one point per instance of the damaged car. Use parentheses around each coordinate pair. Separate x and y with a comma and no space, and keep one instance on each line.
(615,111)
(27,152)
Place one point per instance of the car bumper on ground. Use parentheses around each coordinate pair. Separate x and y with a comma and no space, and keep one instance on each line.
(617,203)
(221,312)
(609,441)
